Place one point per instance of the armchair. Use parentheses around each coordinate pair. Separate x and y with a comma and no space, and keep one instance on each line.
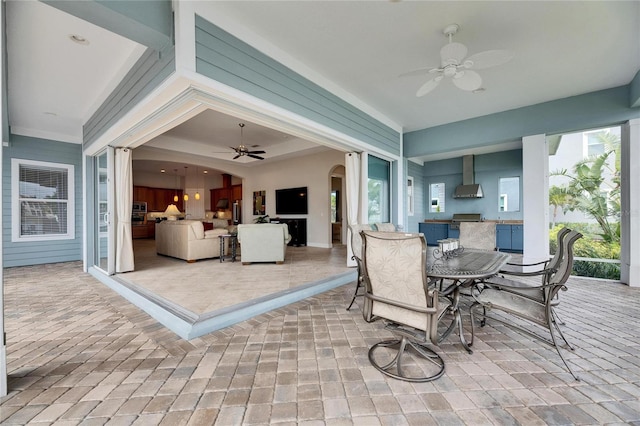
(396,287)
(533,304)
(356,247)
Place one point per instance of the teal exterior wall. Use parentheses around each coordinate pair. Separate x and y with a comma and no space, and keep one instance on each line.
(224,58)
(40,252)
(591,110)
(489,168)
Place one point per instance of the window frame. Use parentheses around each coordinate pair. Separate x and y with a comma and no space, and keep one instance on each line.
(16,218)
(410,196)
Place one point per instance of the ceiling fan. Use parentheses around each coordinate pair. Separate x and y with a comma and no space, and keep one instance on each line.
(453,65)
(242,150)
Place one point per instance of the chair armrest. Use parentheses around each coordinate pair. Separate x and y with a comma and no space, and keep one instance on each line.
(547,271)
(543,262)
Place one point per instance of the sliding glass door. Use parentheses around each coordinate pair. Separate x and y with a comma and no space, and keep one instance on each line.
(378,190)
(103,220)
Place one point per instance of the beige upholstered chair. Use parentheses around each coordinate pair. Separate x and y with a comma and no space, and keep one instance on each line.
(356,247)
(384,227)
(532,303)
(478,235)
(396,287)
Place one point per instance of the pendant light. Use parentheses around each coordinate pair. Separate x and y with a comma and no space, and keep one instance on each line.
(186,196)
(175,196)
(197,196)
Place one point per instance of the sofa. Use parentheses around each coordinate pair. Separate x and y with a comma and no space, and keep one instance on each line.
(187,239)
(263,242)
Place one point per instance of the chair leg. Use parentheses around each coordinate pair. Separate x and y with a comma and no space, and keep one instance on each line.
(395,368)
(555,343)
(355,293)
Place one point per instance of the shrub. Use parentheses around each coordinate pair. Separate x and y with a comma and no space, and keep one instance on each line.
(591,246)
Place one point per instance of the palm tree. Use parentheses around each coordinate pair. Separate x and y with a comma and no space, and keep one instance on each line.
(594,187)
(559,198)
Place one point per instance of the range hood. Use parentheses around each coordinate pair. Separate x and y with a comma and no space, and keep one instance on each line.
(468,189)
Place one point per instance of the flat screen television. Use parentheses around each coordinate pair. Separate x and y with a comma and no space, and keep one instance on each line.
(292,201)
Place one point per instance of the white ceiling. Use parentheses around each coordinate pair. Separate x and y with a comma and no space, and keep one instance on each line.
(358,49)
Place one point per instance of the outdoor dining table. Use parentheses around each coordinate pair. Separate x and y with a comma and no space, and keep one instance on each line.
(460,271)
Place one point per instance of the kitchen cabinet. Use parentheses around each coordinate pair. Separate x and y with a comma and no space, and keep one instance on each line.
(509,237)
(434,232)
(157,199)
(231,193)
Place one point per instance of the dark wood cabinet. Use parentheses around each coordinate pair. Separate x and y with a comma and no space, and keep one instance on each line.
(297,230)
(158,199)
(231,193)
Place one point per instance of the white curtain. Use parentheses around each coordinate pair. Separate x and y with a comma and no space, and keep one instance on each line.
(352,168)
(124,202)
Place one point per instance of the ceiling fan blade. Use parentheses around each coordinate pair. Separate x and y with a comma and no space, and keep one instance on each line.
(420,71)
(256,152)
(453,53)
(255,156)
(428,86)
(235,149)
(467,80)
(237,156)
(488,59)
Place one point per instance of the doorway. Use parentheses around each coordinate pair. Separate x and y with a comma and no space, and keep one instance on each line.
(337,214)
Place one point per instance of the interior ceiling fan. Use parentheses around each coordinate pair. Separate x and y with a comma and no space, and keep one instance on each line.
(242,150)
(453,65)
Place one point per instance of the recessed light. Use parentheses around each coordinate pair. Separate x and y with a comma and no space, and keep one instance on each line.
(76,38)
(161,170)
(205,171)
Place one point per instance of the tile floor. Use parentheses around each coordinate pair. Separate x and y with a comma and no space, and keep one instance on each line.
(80,354)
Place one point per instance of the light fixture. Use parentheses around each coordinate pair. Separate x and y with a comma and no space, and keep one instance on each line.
(197,196)
(175,196)
(171,212)
(186,196)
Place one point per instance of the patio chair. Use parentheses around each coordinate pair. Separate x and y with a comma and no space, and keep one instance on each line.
(544,269)
(478,235)
(356,247)
(396,288)
(531,303)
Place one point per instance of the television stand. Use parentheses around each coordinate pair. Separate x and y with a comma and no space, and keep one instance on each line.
(297,230)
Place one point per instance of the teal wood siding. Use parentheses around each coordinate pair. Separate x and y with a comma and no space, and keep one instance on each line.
(588,111)
(145,76)
(416,172)
(40,252)
(224,58)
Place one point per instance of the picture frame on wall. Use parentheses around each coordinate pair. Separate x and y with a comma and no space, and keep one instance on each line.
(259,205)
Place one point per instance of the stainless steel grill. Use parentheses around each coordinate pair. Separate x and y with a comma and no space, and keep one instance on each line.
(464,217)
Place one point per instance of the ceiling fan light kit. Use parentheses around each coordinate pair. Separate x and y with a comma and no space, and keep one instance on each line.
(453,64)
(242,150)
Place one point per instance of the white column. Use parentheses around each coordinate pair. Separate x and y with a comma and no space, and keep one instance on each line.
(630,214)
(535,200)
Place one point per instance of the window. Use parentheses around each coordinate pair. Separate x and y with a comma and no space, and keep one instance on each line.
(436,194)
(595,143)
(509,190)
(42,201)
(378,188)
(410,197)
